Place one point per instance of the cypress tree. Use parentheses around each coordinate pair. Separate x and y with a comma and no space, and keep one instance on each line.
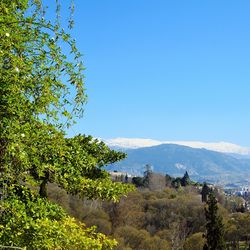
(185,180)
(147,174)
(214,227)
(205,192)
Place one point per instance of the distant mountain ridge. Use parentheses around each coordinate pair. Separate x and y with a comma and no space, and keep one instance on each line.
(201,164)
(133,143)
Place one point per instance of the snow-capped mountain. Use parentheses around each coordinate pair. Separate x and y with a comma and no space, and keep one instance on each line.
(133,143)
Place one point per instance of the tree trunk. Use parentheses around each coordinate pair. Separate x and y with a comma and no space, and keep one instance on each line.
(43,186)
(43,189)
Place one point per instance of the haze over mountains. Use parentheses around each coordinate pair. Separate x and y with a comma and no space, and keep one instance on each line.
(222,163)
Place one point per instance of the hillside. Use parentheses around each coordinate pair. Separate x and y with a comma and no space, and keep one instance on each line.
(201,164)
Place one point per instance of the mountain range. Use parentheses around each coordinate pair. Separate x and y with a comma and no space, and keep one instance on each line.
(223,147)
(227,164)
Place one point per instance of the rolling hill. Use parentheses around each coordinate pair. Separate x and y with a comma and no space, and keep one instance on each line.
(201,164)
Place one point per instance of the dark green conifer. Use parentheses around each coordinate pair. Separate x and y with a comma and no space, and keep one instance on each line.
(185,180)
(214,227)
(205,192)
(147,174)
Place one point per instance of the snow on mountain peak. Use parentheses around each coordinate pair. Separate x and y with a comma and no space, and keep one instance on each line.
(132,143)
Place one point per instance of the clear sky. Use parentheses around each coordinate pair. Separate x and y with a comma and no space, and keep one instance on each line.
(167,70)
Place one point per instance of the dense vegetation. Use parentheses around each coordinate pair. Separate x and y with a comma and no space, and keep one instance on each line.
(161,216)
(54,190)
(42,93)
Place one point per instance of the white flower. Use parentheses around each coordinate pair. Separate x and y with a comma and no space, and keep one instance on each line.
(7,34)
(22,135)
(17,69)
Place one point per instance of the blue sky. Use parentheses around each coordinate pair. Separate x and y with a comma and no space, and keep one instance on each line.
(167,70)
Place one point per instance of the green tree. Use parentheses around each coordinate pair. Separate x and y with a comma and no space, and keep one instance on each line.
(147,175)
(138,181)
(185,180)
(169,180)
(41,94)
(176,183)
(205,192)
(140,239)
(195,242)
(30,221)
(214,227)
(36,79)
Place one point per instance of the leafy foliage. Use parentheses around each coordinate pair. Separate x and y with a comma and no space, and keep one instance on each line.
(42,92)
(140,239)
(33,95)
(34,67)
(27,220)
(195,242)
(173,215)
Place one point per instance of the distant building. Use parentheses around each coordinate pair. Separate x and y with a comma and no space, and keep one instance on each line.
(120,176)
(245,191)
